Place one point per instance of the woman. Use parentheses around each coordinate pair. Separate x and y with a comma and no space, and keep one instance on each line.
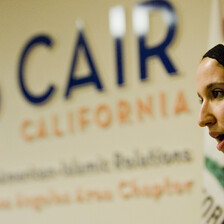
(210,87)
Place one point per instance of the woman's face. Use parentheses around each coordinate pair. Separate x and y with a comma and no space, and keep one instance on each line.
(210,87)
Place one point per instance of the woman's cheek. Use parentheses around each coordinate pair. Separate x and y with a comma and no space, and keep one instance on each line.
(220,113)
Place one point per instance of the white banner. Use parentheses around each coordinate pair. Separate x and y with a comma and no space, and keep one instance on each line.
(98,111)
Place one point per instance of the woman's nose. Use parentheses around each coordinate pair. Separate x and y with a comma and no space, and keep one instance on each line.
(206,116)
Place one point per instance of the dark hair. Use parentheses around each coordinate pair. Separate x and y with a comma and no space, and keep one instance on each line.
(216,53)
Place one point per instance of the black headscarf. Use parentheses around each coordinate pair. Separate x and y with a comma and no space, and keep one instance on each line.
(217,53)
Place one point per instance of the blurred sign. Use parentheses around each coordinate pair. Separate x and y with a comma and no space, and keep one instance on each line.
(98,121)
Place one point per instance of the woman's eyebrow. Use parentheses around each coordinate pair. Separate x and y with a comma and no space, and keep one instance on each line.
(210,86)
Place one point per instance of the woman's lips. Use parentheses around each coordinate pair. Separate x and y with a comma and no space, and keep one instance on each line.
(220,146)
(219,138)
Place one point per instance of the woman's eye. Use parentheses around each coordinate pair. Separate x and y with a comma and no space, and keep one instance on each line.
(200,100)
(218,94)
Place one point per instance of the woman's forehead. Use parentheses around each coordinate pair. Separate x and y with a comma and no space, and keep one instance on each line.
(209,67)
(209,71)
